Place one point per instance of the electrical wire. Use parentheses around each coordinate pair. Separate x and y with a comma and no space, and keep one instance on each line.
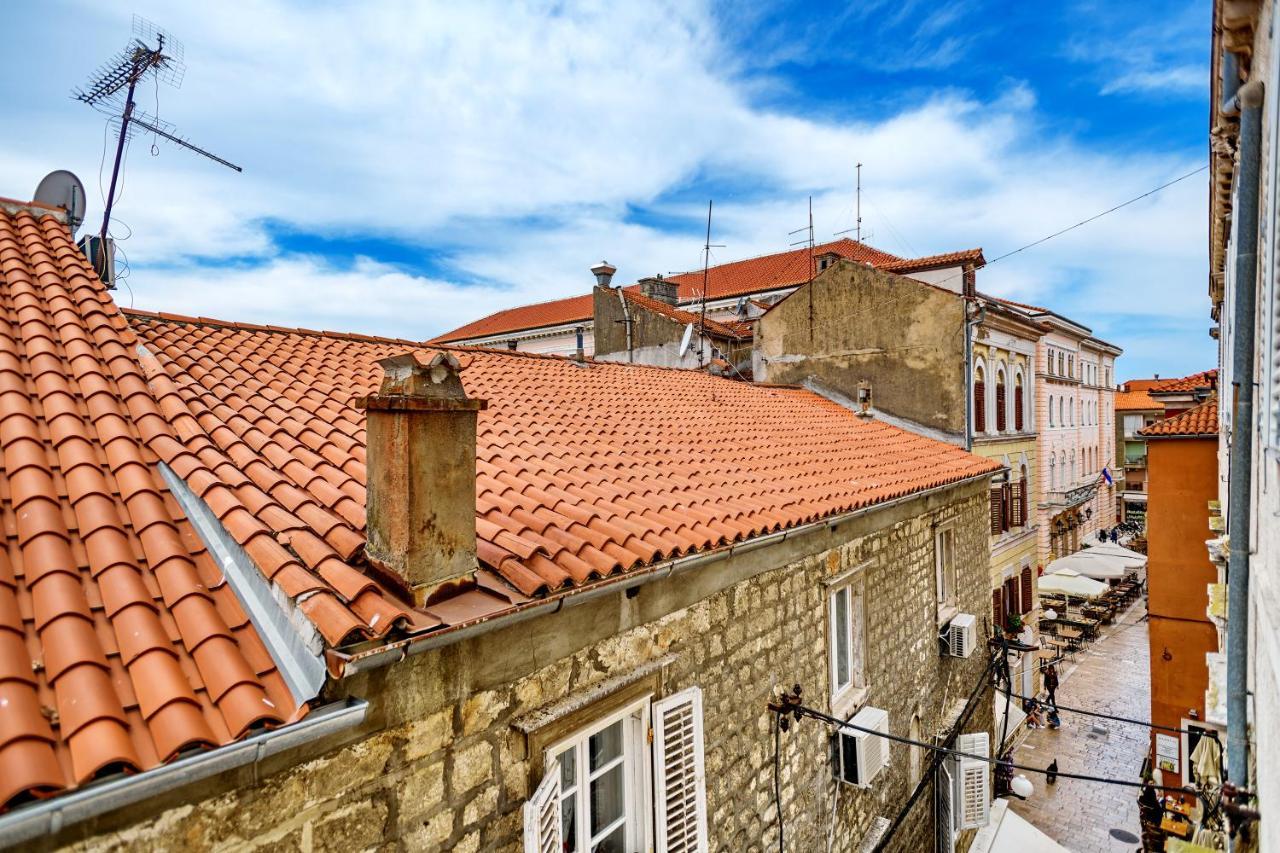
(1114,717)
(815,714)
(878,306)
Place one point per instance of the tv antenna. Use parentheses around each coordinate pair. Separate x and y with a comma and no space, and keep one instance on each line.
(858,208)
(110,91)
(706,270)
(808,241)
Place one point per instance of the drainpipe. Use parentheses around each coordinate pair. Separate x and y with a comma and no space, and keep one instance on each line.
(626,321)
(1249,100)
(969,323)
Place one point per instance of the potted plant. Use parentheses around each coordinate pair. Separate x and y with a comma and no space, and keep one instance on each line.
(1013,623)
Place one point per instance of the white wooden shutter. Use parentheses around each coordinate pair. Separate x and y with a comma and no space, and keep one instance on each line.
(944,831)
(542,814)
(974,805)
(679,780)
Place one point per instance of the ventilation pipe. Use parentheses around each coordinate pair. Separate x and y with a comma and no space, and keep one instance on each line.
(1249,101)
(580,351)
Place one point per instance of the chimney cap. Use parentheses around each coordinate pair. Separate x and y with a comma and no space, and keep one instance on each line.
(603,272)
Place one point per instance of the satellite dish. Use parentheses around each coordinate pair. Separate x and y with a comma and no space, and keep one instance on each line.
(63,189)
(684,340)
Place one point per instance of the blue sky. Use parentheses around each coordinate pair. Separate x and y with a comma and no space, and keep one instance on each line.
(411,166)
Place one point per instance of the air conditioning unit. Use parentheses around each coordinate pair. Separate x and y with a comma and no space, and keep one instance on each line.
(962,635)
(859,754)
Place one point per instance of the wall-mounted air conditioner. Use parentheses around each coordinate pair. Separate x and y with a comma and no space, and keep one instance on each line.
(859,754)
(962,635)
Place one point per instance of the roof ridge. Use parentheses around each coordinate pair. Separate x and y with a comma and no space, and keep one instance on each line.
(764,255)
(166,317)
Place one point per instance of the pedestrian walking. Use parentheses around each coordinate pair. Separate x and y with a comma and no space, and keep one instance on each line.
(1051,684)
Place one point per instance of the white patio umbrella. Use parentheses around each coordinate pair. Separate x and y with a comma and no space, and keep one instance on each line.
(1133,558)
(1070,582)
(1100,567)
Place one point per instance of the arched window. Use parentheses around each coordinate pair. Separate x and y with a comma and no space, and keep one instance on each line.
(979,400)
(1071,471)
(1071,366)
(1053,473)
(1050,410)
(1062,411)
(1018,402)
(1049,363)
(1002,402)
(1071,413)
(1061,362)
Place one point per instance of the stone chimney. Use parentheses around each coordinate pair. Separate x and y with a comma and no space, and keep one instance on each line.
(421,471)
(660,289)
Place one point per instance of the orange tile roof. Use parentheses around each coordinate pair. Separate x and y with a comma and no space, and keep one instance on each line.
(735,330)
(1133,395)
(121,643)
(1203,379)
(1200,421)
(557,312)
(736,278)
(582,471)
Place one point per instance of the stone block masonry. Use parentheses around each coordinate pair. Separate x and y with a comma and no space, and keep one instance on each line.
(445,760)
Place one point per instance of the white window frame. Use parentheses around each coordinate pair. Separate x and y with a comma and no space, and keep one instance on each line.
(847,693)
(638,809)
(944,576)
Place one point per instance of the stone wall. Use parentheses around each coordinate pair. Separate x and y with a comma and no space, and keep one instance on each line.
(854,323)
(440,764)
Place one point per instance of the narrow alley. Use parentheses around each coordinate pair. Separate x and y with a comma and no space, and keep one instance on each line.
(1111,676)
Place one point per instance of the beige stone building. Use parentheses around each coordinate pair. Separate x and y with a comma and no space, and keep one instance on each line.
(278,589)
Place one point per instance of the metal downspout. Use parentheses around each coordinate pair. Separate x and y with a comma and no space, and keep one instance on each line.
(968,378)
(1241,460)
(626,321)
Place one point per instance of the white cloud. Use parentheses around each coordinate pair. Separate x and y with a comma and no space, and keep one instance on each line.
(1173,80)
(517,137)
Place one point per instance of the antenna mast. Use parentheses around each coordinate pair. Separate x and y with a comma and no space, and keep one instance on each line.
(706,268)
(857,228)
(138,61)
(859,204)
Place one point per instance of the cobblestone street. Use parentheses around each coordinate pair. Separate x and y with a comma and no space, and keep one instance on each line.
(1112,676)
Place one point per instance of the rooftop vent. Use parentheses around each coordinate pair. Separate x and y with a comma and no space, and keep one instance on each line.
(603,272)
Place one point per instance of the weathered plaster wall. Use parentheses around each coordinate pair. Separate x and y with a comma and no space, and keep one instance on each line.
(854,323)
(655,339)
(440,765)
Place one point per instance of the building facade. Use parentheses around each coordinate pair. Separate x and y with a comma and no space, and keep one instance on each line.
(1183,472)
(1244,679)
(1135,409)
(1075,414)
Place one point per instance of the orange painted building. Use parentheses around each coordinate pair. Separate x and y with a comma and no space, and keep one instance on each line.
(1182,476)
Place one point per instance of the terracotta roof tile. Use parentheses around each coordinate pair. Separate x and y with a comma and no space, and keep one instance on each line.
(1200,421)
(103,613)
(582,470)
(734,330)
(1133,395)
(736,278)
(1196,381)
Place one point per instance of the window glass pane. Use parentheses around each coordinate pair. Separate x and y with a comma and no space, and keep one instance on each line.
(840,638)
(613,842)
(568,768)
(605,745)
(607,798)
(569,821)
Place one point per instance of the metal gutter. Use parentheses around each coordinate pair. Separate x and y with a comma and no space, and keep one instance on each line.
(1240,484)
(48,817)
(289,636)
(344,665)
